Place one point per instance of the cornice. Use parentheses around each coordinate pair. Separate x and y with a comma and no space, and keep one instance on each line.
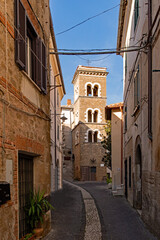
(88,73)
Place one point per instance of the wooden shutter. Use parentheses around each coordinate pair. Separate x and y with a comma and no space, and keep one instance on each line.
(44,70)
(38,62)
(20,54)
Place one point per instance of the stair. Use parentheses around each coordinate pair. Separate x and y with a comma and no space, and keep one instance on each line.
(119,191)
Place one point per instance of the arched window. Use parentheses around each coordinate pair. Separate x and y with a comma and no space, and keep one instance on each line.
(89,116)
(95,91)
(89,90)
(95,136)
(89,136)
(95,116)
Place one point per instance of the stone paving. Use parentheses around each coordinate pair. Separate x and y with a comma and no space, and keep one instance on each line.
(90,212)
(68,218)
(119,221)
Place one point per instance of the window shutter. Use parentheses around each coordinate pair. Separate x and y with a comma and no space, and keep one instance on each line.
(38,62)
(20,34)
(44,70)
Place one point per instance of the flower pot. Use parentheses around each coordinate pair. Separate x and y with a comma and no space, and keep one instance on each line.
(30,238)
(38,232)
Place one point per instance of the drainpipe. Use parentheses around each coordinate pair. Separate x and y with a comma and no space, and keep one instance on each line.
(150,71)
(121,109)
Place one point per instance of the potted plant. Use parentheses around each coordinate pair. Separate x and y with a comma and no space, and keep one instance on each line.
(29,236)
(37,207)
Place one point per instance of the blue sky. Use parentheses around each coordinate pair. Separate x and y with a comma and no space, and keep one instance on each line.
(100,32)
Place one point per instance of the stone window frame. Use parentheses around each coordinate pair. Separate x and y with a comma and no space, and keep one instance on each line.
(92,87)
(93,131)
(99,117)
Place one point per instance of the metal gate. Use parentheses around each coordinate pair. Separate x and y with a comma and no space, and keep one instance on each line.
(25,179)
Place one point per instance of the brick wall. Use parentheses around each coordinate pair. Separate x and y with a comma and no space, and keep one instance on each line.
(24,121)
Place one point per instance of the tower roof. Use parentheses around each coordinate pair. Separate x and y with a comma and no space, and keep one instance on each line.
(101,71)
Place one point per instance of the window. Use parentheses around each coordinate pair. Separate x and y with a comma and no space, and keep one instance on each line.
(77,138)
(58,132)
(130,173)
(136,88)
(125,118)
(89,116)
(95,116)
(57,98)
(89,90)
(95,136)
(136,13)
(30,50)
(89,136)
(95,91)
(125,64)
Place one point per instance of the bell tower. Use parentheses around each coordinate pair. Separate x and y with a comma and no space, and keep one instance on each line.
(89,122)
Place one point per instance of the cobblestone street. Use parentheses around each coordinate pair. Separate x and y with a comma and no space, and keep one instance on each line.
(89,211)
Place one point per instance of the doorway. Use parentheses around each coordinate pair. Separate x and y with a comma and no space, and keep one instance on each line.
(138,178)
(25,180)
(126,178)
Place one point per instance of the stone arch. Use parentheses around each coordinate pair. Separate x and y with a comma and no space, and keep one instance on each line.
(89,135)
(88,89)
(88,115)
(96,90)
(97,115)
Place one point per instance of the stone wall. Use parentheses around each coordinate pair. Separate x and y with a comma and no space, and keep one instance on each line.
(24,116)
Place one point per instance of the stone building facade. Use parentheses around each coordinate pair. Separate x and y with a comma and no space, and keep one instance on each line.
(89,121)
(24,109)
(139,27)
(114,113)
(57,91)
(67,111)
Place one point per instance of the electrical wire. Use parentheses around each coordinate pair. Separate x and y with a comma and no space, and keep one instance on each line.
(20,110)
(94,60)
(86,20)
(102,52)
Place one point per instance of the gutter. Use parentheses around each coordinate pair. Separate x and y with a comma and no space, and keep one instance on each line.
(57,57)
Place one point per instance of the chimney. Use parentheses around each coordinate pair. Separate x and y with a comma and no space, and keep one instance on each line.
(68,102)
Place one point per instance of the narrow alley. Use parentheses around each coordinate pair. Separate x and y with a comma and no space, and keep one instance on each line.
(118,220)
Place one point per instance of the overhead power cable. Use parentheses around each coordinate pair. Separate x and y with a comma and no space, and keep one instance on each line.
(86,20)
(101,52)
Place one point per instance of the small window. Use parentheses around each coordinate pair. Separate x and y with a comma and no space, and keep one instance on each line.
(136,13)
(95,91)
(89,90)
(58,132)
(125,64)
(125,118)
(89,116)
(130,172)
(137,88)
(95,136)
(89,136)
(95,116)
(57,98)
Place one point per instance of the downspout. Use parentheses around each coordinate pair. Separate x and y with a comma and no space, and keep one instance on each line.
(121,108)
(150,71)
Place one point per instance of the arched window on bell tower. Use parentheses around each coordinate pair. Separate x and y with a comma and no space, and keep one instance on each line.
(89,90)
(95,116)
(95,91)
(90,136)
(96,136)
(89,116)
